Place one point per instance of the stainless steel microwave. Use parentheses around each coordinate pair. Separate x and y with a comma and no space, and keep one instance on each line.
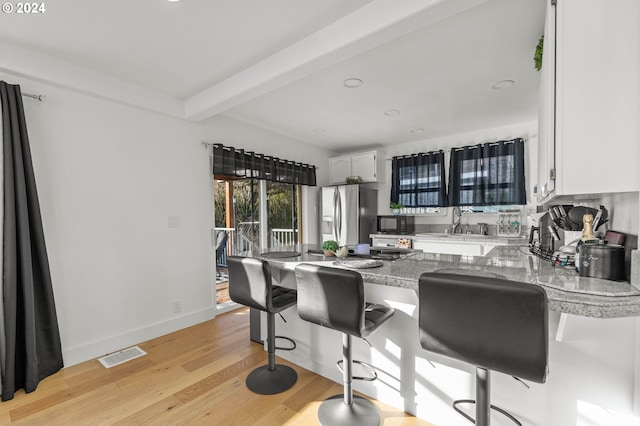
(396,224)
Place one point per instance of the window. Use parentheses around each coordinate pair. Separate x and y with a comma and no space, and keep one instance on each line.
(282,214)
(488,175)
(418,180)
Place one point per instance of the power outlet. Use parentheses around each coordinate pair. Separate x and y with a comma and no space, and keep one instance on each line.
(177,307)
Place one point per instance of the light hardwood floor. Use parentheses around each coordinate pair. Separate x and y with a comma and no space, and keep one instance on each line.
(193,376)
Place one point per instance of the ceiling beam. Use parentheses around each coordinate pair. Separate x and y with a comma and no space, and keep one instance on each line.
(370,26)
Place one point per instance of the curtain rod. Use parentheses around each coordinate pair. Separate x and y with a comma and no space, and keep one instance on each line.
(415,155)
(206,145)
(39,98)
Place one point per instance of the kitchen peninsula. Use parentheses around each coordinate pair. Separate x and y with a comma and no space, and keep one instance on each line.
(566,290)
(591,359)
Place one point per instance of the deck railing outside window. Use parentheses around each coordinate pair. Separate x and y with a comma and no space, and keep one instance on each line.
(283,237)
(239,240)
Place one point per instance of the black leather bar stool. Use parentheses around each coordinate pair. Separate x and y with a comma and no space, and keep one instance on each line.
(494,324)
(250,285)
(334,298)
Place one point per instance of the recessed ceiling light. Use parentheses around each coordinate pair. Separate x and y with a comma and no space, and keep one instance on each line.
(353,83)
(503,84)
(173,1)
(391,112)
(319,130)
(418,130)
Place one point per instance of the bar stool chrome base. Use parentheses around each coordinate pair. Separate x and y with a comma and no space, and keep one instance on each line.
(272,378)
(264,381)
(362,412)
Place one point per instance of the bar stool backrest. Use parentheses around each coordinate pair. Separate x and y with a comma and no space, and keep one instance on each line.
(250,282)
(331,297)
(492,323)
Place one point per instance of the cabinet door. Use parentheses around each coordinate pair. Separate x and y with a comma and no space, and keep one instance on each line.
(546,120)
(364,165)
(463,249)
(385,242)
(595,116)
(339,169)
(486,248)
(597,102)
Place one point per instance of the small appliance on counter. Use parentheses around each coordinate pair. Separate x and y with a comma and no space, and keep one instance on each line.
(567,222)
(543,237)
(401,225)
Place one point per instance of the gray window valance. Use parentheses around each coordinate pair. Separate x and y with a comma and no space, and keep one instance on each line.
(232,162)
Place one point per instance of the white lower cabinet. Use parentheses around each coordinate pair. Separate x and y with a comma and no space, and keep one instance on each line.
(486,248)
(445,247)
(385,241)
(462,248)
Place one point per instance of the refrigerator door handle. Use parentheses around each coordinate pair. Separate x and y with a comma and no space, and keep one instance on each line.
(339,219)
(336,201)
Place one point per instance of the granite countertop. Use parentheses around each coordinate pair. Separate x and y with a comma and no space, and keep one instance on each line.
(567,292)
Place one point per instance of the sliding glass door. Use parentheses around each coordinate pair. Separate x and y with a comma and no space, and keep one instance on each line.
(237,227)
(282,214)
(252,215)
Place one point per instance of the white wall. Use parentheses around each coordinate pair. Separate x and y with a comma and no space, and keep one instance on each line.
(623,211)
(108,177)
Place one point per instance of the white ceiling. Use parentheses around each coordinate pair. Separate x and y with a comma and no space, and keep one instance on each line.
(280,64)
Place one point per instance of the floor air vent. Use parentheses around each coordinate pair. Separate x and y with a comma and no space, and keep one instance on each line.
(121,357)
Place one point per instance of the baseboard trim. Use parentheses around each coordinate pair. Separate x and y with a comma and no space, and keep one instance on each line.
(97,348)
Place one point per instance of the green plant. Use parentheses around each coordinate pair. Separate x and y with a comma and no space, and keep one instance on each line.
(396,206)
(537,57)
(330,245)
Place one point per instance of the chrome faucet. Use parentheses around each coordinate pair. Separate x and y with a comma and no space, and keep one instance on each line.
(455,218)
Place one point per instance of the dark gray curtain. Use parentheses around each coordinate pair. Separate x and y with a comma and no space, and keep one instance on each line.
(488,175)
(504,162)
(418,180)
(32,340)
(466,186)
(232,162)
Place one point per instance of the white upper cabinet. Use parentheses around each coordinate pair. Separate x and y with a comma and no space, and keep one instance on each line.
(589,128)
(366,165)
(339,169)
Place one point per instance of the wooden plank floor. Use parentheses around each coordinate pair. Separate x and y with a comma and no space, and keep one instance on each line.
(193,376)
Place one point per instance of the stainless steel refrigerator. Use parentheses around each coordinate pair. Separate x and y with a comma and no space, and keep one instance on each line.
(349,214)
